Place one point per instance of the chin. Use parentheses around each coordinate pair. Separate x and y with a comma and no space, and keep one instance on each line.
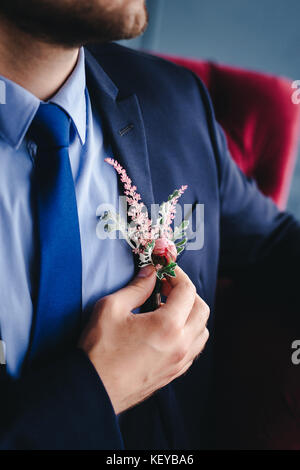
(71,23)
(135,18)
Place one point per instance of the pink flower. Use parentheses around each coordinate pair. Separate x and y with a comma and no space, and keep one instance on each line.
(136,208)
(164,252)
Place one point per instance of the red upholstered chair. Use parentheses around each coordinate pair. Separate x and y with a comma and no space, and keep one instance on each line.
(254,407)
(260,121)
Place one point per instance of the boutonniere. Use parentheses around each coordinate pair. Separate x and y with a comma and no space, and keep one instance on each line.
(154,242)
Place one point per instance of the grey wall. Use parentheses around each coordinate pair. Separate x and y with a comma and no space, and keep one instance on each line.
(256,34)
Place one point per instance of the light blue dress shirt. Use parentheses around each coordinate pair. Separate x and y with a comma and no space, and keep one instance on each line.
(107,264)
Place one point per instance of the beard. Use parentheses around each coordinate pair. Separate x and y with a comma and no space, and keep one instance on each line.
(72,23)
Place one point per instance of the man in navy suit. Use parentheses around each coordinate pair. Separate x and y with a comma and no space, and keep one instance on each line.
(84,375)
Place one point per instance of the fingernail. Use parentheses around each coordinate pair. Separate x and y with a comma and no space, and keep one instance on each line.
(146,271)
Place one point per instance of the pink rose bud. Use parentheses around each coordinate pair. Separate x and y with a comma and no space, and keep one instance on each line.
(164,252)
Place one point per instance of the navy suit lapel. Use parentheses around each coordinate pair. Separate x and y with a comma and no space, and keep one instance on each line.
(123,121)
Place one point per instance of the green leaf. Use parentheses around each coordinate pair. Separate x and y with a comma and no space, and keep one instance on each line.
(184,225)
(179,232)
(170,269)
(171,265)
(160,274)
(182,242)
(150,246)
(171,273)
(167,271)
(174,194)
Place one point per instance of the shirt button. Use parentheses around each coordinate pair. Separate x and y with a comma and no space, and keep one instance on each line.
(32,148)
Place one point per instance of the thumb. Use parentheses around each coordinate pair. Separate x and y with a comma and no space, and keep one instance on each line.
(139,290)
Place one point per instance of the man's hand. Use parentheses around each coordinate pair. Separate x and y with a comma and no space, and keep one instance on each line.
(136,354)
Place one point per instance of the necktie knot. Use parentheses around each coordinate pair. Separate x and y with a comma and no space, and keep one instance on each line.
(50,127)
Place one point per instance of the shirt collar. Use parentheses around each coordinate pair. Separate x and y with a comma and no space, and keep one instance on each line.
(21,105)
(71,97)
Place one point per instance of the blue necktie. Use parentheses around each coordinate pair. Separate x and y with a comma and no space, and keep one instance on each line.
(58,296)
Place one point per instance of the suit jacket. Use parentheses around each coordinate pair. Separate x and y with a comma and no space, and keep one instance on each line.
(173,140)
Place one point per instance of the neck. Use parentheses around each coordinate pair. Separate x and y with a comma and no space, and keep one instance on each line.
(38,67)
